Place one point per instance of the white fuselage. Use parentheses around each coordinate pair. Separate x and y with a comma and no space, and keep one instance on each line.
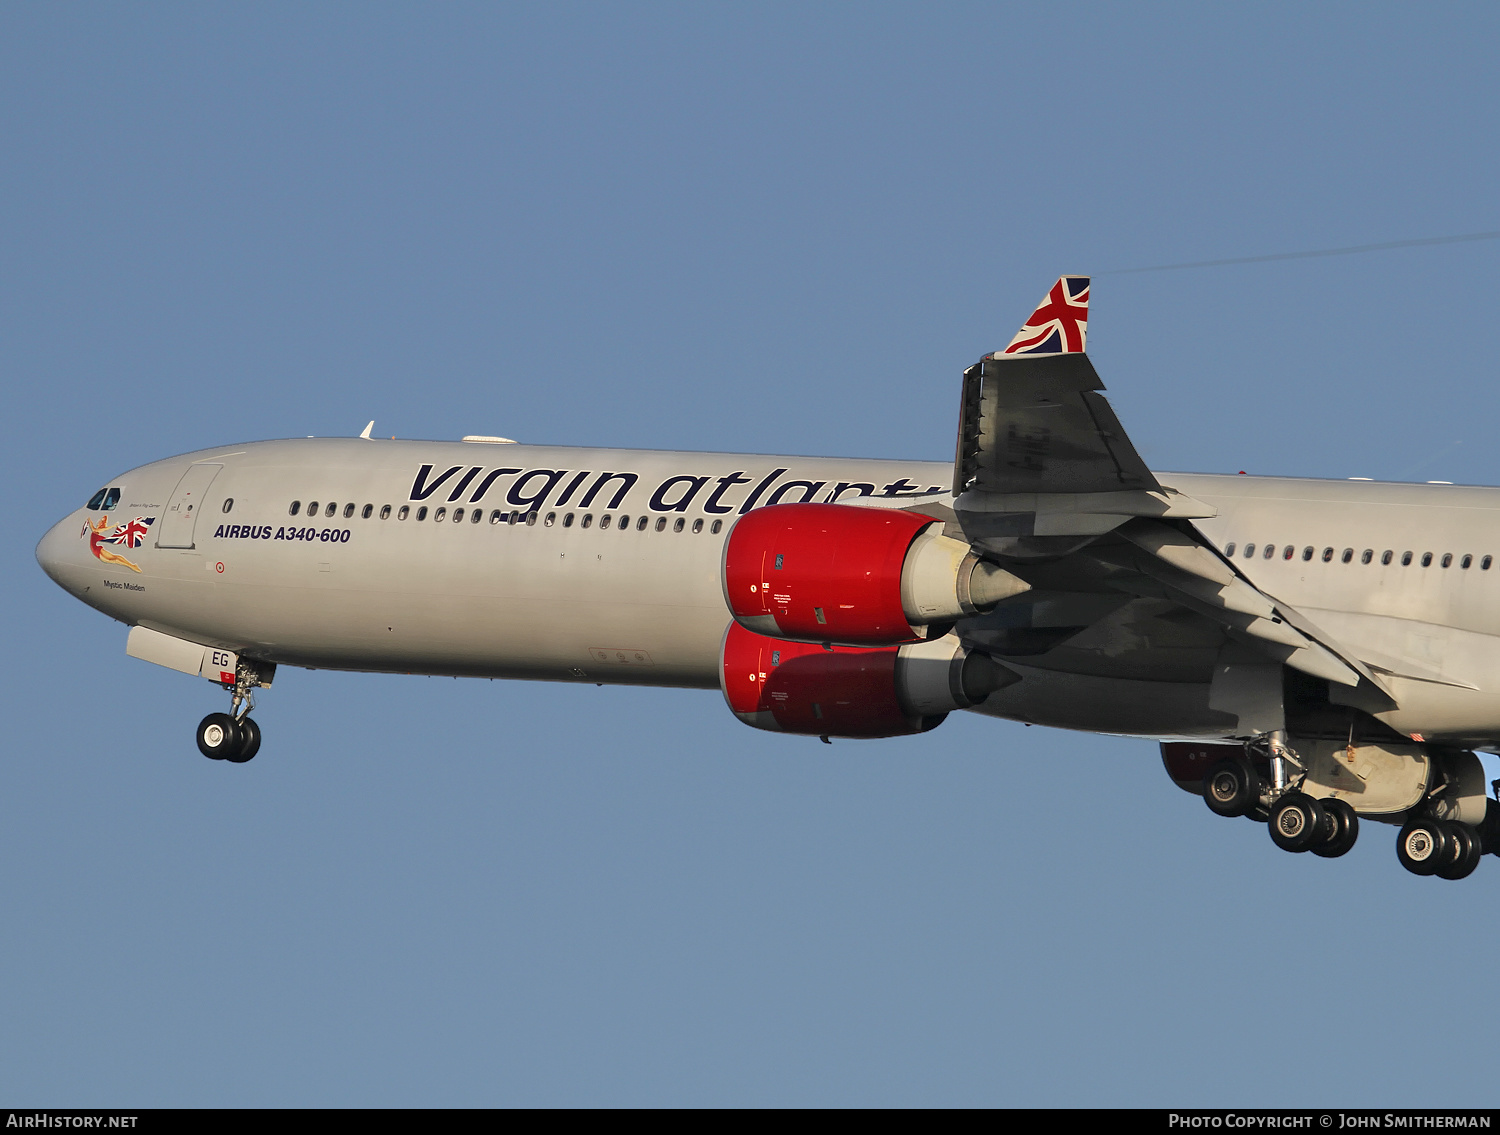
(570,596)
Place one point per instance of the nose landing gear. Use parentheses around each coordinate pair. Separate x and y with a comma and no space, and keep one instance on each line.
(221,737)
(234,736)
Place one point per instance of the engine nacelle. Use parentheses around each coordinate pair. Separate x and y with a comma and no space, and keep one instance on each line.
(861,576)
(1187,762)
(842,691)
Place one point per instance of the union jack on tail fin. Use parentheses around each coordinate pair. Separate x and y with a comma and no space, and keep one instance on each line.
(1059,325)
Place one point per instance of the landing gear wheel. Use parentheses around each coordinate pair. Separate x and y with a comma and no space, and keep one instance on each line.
(249,741)
(1298,822)
(218,736)
(1464,858)
(1489,829)
(1423,846)
(1345,824)
(1230,787)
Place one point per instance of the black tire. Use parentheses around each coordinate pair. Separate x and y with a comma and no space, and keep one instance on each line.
(249,741)
(1344,823)
(218,736)
(1424,845)
(1489,828)
(1460,863)
(1297,822)
(1230,787)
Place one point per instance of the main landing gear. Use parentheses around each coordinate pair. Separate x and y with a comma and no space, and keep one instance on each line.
(1297,822)
(1444,848)
(1235,786)
(234,736)
(1238,786)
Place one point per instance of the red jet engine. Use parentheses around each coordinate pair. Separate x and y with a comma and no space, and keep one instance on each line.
(843,691)
(832,573)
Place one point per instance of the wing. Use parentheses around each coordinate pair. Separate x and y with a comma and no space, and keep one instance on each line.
(1031,419)
(1042,460)
(1047,483)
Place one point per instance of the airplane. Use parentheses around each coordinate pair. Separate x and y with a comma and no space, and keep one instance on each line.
(1308,652)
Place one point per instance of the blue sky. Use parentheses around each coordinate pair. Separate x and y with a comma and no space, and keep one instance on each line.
(770,227)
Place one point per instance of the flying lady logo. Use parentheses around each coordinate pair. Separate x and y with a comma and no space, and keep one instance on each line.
(129,535)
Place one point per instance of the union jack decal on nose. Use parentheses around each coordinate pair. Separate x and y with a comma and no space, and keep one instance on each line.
(1060,325)
(132,534)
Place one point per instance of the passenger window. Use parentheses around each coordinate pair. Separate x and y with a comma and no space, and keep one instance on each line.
(531,519)
(436,516)
(1447,559)
(476,515)
(312,508)
(604,520)
(640,525)
(404,513)
(568,521)
(588,518)
(458,516)
(422,513)
(228,503)
(96,500)
(1406,559)
(348,510)
(550,521)
(1385,557)
(1288,552)
(294,509)
(1348,555)
(717,527)
(1367,555)
(385,512)
(1426,559)
(364,513)
(1269,552)
(496,516)
(1328,556)
(624,525)
(1484,564)
(1249,551)
(1228,548)
(1466,562)
(331,509)
(1307,554)
(678,524)
(661,523)
(697,526)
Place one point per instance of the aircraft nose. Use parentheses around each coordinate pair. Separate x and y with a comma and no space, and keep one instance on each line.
(56,551)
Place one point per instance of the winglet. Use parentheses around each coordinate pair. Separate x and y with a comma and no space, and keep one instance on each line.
(1059,325)
(368,428)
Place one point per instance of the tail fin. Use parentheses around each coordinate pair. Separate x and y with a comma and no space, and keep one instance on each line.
(1059,325)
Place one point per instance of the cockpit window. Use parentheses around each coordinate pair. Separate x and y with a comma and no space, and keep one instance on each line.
(96,500)
(104,499)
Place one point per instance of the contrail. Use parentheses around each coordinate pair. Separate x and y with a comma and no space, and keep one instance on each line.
(1350,251)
